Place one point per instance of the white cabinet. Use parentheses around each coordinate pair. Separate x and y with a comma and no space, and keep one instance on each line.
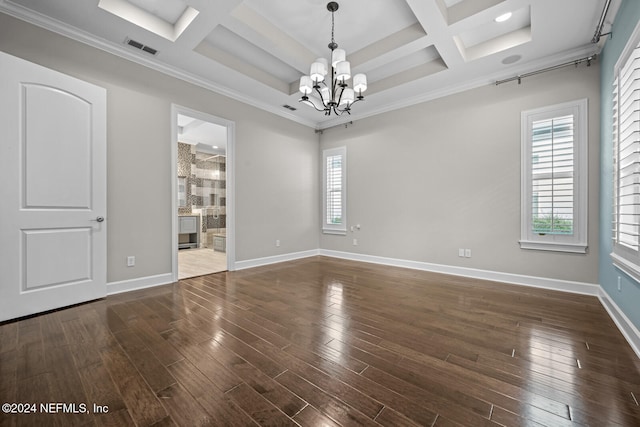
(188,231)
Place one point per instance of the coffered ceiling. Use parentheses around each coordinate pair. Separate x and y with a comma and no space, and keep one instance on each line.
(257,50)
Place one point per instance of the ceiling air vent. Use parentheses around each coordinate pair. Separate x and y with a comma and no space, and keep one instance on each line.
(140,46)
(289,107)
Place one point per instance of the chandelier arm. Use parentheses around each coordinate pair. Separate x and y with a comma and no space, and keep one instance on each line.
(334,82)
(317,88)
(341,92)
(340,112)
(309,101)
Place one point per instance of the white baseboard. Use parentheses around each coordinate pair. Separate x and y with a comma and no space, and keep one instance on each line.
(257,262)
(516,279)
(628,329)
(139,283)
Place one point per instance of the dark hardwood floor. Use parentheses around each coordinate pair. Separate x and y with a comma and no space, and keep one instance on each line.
(323,342)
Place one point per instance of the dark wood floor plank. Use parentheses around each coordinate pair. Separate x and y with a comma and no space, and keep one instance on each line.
(65,382)
(34,390)
(141,402)
(434,382)
(101,390)
(389,417)
(311,417)
(430,401)
(164,351)
(260,409)
(81,343)
(183,408)
(30,347)
(263,384)
(151,369)
(221,377)
(418,413)
(220,409)
(8,336)
(329,384)
(117,418)
(329,405)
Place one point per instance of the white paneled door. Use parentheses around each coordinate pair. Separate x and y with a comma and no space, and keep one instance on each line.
(52,189)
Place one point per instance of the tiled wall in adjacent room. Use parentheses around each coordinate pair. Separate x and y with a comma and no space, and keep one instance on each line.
(204,177)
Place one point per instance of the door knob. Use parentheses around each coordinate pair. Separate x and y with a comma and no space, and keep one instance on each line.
(98,219)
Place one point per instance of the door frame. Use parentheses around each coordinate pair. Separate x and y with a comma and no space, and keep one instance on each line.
(230,183)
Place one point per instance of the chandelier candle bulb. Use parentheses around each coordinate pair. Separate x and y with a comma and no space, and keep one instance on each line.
(306,85)
(343,71)
(317,72)
(325,65)
(338,55)
(347,97)
(360,83)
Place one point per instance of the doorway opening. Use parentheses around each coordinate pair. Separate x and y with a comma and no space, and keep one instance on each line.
(202,208)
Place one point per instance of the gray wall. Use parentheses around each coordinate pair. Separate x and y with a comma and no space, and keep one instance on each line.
(277,186)
(429,179)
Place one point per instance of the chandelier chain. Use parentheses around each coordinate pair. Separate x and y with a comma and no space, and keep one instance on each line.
(333,45)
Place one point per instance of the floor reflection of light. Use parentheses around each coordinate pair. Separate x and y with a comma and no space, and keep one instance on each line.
(559,365)
(337,326)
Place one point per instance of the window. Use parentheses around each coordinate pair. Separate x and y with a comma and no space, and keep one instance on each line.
(626,159)
(334,198)
(554,178)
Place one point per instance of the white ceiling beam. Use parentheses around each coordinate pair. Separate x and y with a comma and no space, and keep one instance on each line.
(206,21)
(435,24)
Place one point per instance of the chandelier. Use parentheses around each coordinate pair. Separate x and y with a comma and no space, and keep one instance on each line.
(332,96)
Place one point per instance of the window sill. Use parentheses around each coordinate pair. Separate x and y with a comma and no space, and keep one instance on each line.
(575,248)
(334,231)
(626,266)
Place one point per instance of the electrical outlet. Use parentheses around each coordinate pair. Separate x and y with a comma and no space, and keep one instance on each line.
(461,253)
(277,243)
(467,253)
(131,261)
(355,242)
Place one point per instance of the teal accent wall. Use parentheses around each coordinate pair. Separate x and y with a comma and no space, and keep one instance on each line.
(628,299)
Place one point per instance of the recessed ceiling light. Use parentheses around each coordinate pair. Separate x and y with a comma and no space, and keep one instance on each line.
(215,147)
(503,17)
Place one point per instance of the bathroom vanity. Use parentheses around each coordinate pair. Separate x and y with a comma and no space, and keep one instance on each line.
(188,231)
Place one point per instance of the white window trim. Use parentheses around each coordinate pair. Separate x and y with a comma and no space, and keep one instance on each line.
(339,229)
(576,243)
(625,259)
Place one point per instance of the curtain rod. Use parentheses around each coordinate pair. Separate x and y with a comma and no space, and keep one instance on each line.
(598,33)
(519,77)
(346,125)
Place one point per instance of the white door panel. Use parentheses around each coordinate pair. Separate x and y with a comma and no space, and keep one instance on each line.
(55,257)
(56,122)
(53,189)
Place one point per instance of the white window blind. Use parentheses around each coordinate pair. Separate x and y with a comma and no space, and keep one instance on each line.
(626,159)
(334,191)
(626,127)
(554,178)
